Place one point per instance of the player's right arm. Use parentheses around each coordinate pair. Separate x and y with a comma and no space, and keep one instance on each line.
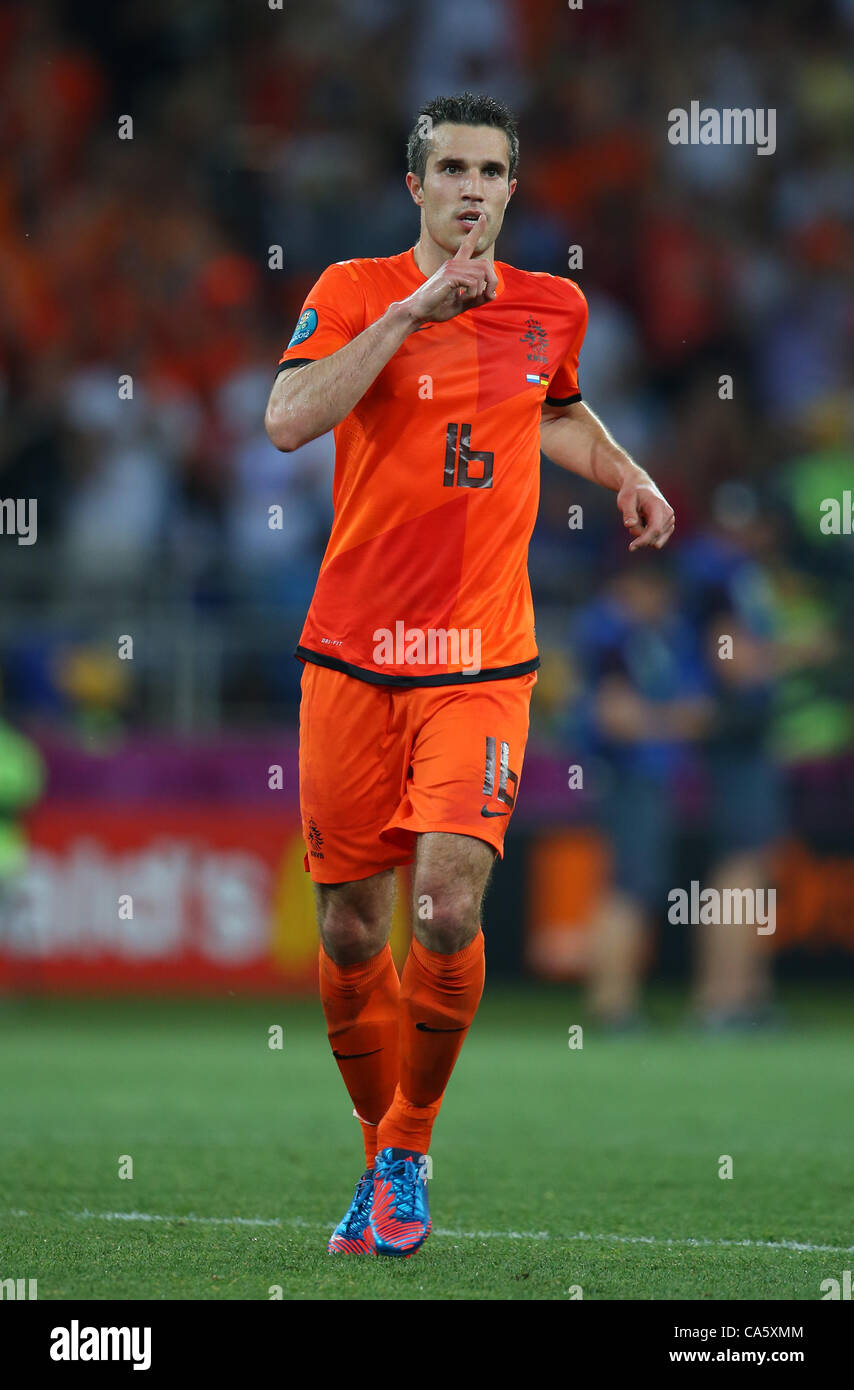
(307,401)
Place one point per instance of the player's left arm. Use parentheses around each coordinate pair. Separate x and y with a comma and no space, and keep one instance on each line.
(573,438)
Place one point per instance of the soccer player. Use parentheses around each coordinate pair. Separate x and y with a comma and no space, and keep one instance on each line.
(443,373)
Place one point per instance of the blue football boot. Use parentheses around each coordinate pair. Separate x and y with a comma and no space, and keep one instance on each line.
(353,1235)
(400,1213)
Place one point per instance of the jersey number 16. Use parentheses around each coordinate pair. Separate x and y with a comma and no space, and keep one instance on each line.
(457,464)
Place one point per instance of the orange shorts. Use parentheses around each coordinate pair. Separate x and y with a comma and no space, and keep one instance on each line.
(380,764)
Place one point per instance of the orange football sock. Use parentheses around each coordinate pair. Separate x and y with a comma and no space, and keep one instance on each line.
(439,996)
(360,1003)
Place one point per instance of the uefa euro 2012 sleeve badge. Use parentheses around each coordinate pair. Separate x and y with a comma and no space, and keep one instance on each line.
(306,324)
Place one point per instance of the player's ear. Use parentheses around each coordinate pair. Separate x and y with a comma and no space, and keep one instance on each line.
(511,190)
(413,183)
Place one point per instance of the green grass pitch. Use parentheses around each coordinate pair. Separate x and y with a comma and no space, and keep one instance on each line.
(553,1169)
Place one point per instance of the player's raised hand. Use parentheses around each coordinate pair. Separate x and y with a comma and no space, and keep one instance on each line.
(646,514)
(460,283)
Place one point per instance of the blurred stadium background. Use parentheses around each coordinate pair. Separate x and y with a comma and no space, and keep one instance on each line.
(256,128)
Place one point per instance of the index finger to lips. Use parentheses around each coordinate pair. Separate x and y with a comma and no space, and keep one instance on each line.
(465,250)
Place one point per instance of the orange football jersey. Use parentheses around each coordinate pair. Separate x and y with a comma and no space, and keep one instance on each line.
(437,469)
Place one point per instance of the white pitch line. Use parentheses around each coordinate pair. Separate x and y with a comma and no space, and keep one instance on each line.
(197,1220)
(298,1223)
(714,1241)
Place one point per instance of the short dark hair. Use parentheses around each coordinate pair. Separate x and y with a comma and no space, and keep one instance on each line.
(466,109)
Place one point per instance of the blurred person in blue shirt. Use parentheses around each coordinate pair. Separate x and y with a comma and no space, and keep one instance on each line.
(645,709)
(725,582)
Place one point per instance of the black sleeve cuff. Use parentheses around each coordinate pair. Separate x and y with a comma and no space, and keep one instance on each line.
(293,362)
(564,400)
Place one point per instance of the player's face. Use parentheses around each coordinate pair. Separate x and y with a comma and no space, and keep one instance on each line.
(466,172)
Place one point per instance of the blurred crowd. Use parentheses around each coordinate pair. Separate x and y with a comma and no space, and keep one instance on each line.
(155,259)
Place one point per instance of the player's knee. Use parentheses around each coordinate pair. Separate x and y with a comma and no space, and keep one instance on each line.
(446,920)
(349,935)
(355,918)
